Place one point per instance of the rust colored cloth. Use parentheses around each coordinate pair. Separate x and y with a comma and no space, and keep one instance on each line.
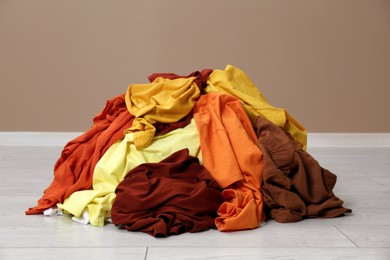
(73,171)
(230,152)
(295,186)
(171,197)
(200,81)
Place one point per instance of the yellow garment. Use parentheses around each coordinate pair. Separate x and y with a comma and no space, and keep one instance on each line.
(235,82)
(163,100)
(118,160)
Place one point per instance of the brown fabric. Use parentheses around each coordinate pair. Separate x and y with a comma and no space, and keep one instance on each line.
(295,186)
(173,196)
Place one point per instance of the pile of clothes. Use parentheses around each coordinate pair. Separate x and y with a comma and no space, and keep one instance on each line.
(190,153)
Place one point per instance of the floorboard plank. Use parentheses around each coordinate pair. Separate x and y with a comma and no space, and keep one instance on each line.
(367,235)
(228,253)
(45,253)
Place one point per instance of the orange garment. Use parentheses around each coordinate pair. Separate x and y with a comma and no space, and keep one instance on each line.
(73,171)
(230,153)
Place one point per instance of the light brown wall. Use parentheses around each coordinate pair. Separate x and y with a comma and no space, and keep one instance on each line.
(327,62)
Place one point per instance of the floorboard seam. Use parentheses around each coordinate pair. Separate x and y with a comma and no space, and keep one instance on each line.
(345,236)
(146,253)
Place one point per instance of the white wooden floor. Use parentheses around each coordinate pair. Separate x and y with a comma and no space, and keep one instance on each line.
(363,183)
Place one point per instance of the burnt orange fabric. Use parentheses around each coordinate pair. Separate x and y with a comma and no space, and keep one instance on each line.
(74,169)
(230,152)
(295,186)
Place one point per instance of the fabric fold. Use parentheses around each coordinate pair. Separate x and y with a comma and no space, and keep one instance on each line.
(171,197)
(230,153)
(201,77)
(163,100)
(119,159)
(235,82)
(295,186)
(73,171)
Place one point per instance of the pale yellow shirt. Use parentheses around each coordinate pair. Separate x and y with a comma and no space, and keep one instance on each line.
(118,160)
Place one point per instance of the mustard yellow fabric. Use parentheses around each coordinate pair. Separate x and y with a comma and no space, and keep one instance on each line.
(234,81)
(118,160)
(163,100)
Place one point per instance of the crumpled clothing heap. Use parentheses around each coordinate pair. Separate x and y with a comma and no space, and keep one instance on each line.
(171,197)
(254,156)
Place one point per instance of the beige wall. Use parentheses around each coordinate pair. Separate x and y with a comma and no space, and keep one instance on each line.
(327,62)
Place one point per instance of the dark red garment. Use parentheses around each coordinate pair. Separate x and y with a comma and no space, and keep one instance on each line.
(73,171)
(201,77)
(171,197)
(295,186)
(163,128)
